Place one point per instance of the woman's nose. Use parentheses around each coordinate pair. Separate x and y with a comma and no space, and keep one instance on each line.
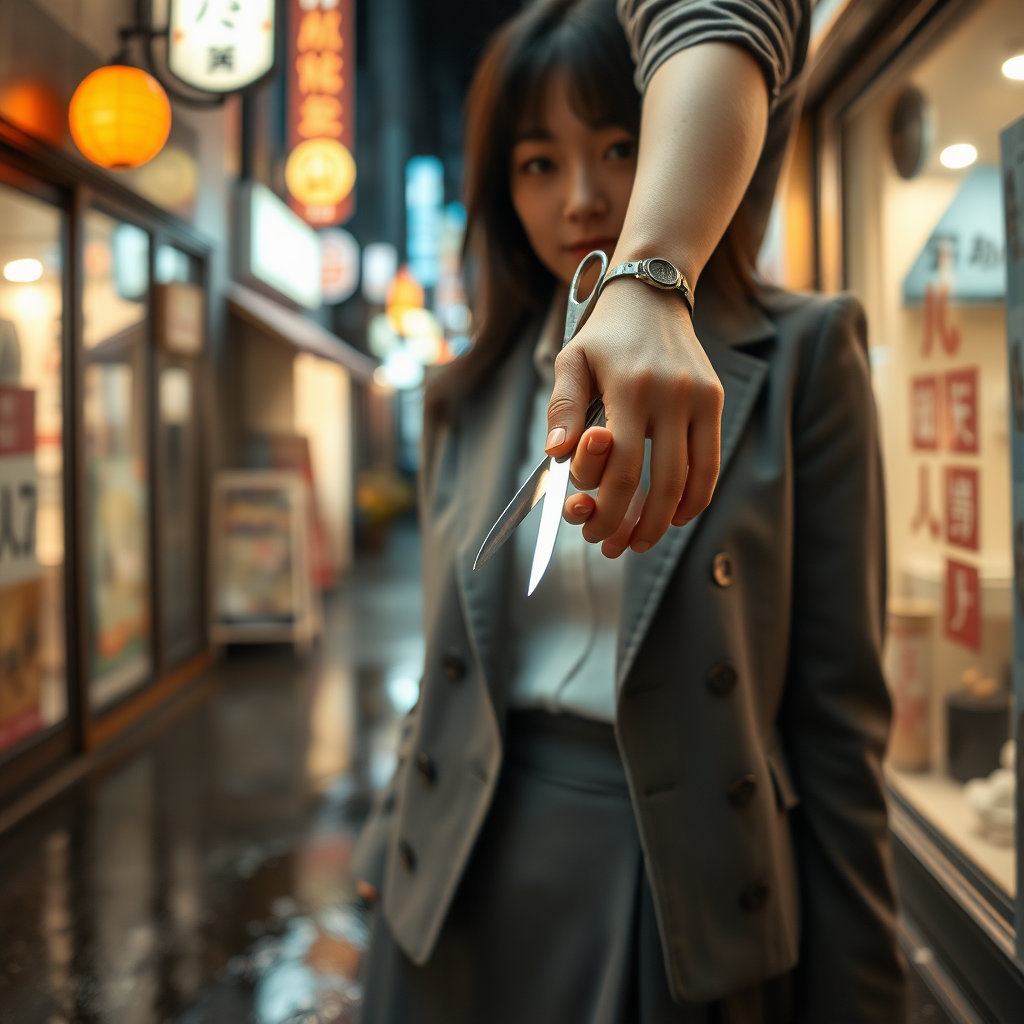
(586,199)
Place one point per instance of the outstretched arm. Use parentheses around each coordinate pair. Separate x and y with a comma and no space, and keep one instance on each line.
(710,70)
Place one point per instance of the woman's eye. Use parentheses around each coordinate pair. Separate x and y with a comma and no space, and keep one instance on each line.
(538,165)
(621,150)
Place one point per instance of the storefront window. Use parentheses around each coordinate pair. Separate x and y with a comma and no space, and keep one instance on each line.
(178,469)
(33,683)
(116,324)
(925,251)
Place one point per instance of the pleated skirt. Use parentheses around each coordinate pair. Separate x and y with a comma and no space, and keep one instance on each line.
(554,921)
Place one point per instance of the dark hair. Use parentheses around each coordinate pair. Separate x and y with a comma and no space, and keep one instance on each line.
(583,39)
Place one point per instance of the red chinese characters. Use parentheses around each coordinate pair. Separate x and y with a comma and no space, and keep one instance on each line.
(924,413)
(962,612)
(961,410)
(962,507)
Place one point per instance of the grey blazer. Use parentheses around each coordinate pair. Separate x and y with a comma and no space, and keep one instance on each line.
(752,714)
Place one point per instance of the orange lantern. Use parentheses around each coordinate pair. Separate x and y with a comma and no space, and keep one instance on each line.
(320,172)
(120,117)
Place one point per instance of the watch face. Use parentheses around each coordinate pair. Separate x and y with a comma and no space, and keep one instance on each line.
(662,272)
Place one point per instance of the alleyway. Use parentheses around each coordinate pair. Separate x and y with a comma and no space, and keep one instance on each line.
(204,878)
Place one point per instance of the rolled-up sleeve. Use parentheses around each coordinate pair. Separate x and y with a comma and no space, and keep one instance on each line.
(774,32)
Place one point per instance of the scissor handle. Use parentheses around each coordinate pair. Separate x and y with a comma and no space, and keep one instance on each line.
(577,312)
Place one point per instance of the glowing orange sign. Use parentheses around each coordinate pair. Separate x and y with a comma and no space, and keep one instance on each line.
(321,172)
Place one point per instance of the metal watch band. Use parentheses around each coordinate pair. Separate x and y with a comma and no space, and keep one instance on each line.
(658,273)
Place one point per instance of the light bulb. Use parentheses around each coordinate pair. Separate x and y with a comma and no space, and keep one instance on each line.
(962,154)
(1014,68)
(22,271)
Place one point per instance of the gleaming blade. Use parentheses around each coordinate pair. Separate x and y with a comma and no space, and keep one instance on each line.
(517,510)
(550,517)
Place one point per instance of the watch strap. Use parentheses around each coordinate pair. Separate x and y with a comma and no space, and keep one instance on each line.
(665,276)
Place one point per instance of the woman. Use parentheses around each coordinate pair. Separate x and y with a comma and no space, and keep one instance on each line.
(651,791)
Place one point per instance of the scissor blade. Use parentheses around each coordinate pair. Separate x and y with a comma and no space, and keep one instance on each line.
(550,517)
(517,510)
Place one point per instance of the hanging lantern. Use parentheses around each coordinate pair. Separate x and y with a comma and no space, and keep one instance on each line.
(120,117)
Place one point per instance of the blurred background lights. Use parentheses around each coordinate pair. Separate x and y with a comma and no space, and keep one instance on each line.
(962,154)
(402,370)
(383,338)
(1014,67)
(23,270)
(380,264)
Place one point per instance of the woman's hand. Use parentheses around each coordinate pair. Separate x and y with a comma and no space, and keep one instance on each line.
(639,352)
(704,119)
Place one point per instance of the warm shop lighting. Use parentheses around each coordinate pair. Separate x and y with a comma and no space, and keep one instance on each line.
(120,117)
(963,154)
(320,172)
(23,271)
(1014,68)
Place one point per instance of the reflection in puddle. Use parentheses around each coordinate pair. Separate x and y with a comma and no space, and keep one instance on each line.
(206,879)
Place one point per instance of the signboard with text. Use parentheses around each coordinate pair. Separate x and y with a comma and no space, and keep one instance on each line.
(321,171)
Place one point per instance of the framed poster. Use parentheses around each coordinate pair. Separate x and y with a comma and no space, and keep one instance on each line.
(262,589)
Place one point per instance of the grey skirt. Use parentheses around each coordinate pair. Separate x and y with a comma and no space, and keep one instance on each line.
(554,921)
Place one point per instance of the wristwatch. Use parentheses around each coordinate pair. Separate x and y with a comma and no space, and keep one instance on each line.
(658,273)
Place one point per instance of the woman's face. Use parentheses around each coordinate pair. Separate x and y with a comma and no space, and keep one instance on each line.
(571,184)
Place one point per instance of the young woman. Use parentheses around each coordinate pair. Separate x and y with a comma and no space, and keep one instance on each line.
(651,791)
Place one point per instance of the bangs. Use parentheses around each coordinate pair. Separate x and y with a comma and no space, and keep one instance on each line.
(597,69)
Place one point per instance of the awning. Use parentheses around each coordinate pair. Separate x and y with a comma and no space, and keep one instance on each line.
(294,329)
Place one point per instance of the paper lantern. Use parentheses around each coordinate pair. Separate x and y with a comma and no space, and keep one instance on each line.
(320,172)
(120,117)
(404,293)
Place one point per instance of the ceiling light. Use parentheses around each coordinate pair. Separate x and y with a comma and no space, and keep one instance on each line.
(1014,68)
(963,154)
(23,270)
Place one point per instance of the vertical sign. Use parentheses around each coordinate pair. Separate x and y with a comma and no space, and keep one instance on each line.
(1012,143)
(924,413)
(424,200)
(961,410)
(962,507)
(321,171)
(962,612)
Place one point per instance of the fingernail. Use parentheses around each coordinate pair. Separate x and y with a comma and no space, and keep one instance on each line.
(597,446)
(581,510)
(555,438)
(640,546)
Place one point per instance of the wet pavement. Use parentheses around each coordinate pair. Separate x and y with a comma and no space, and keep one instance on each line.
(204,879)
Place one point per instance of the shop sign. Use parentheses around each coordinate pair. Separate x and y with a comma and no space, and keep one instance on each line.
(962,612)
(178,313)
(277,248)
(19,569)
(320,171)
(962,507)
(424,201)
(221,46)
(339,261)
(966,251)
(924,413)
(961,410)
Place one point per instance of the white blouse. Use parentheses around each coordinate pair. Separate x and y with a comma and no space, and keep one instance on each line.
(563,637)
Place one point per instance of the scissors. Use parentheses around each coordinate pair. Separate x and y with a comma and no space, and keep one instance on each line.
(550,480)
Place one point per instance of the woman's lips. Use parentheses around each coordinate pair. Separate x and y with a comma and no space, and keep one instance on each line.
(580,249)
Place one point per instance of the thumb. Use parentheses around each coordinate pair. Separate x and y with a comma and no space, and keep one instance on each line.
(567,410)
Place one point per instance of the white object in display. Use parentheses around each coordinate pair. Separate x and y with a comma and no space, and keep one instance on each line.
(994,799)
(221,46)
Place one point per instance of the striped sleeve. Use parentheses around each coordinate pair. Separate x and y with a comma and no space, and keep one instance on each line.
(773,31)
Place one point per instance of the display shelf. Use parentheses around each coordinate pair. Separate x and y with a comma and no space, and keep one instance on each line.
(942,802)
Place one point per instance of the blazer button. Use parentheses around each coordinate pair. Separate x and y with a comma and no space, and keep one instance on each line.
(742,790)
(755,896)
(453,665)
(408,855)
(426,767)
(722,679)
(722,569)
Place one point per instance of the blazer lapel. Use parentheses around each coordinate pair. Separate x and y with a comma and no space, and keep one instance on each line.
(647,575)
(491,435)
